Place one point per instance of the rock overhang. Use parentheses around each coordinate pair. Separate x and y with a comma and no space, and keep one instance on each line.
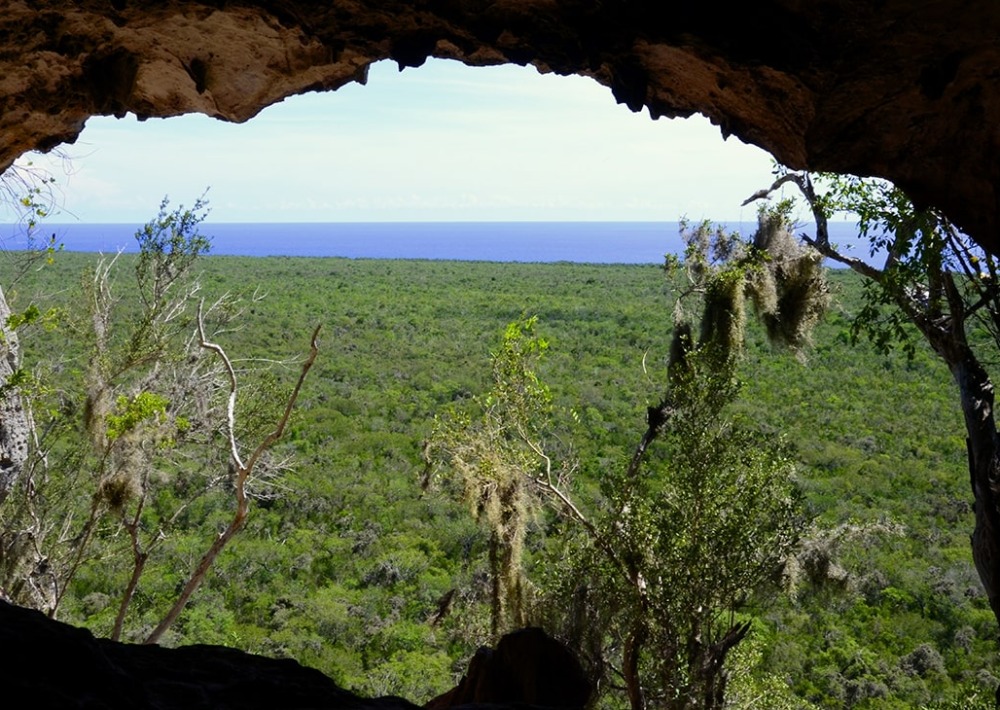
(892,89)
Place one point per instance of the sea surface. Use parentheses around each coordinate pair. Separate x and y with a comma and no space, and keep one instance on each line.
(581,242)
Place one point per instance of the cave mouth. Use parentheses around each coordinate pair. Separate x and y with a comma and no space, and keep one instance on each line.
(440,143)
(893,90)
(890,91)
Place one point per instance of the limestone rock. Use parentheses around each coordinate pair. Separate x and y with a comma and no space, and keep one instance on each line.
(903,90)
(15,426)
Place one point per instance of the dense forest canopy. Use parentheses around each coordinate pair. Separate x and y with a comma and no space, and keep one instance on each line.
(345,561)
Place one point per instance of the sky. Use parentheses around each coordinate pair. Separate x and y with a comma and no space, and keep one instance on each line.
(442,142)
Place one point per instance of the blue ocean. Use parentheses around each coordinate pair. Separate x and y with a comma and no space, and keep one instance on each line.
(581,242)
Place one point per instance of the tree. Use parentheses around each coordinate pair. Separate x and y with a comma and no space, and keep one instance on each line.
(244,469)
(138,386)
(497,457)
(690,535)
(935,279)
(687,536)
(154,409)
(686,546)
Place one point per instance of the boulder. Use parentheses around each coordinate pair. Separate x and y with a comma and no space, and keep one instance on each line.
(527,667)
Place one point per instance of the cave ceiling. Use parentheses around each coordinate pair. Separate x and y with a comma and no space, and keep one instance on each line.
(903,89)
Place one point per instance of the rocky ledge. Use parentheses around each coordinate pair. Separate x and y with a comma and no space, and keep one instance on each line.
(48,664)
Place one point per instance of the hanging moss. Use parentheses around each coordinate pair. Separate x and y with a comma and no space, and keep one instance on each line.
(723,317)
(117,491)
(803,297)
(789,291)
(763,292)
(680,347)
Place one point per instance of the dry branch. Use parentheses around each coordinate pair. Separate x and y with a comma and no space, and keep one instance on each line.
(243,471)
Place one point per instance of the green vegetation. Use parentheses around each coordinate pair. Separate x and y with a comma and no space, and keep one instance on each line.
(497,457)
(698,525)
(347,564)
(104,443)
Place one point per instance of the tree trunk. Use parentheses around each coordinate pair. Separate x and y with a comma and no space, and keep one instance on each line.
(630,663)
(944,330)
(496,587)
(977,397)
(712,673)
(15,423)
(975,390)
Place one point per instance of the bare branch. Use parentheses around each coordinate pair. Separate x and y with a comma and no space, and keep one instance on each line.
(656,418)
(822,241)
(139,558)
(280,429)
(243,472)
(231,404)
(766,192)
(84,541)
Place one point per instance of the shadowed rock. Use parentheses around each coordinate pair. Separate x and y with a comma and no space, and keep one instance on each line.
(48,664)
(54,665)
(528,666)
